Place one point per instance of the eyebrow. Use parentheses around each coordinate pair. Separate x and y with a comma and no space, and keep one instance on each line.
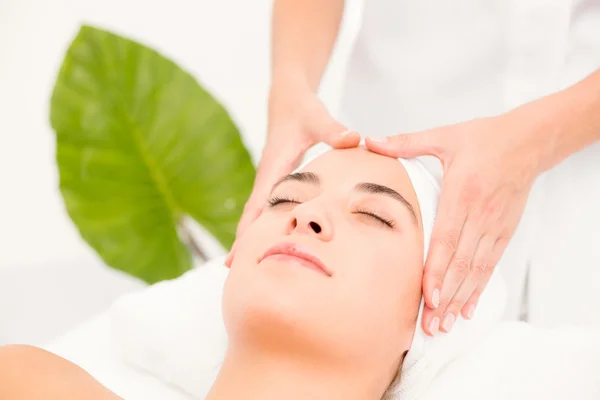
(374,188)
(306,177)
(363,187)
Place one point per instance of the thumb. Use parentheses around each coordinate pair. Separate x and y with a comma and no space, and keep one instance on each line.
(324,128)
(252,210)
(408,145)
(277,161)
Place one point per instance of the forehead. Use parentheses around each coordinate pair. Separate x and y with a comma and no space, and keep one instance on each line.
(347,167)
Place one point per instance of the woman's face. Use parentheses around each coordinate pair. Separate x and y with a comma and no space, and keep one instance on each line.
(354,215)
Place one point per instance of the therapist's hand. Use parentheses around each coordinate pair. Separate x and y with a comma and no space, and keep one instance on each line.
(489,166)
(297,121)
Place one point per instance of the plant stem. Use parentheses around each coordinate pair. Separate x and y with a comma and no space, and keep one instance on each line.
(188,239)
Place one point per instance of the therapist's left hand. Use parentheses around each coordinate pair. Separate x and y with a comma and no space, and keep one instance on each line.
(490,165)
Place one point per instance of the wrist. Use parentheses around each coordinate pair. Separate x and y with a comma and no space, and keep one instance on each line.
(287,95)
(291,78)
(553,124)
(566,121)
(543,128)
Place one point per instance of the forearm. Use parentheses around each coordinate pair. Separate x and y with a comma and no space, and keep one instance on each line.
(569,120)
(303,35)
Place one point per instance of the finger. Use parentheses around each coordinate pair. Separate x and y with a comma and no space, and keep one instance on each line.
(277,161)
(477,269)
(452,214)
(457,273)
(430,142)
(324,128)
(430,321)
(230,256)
(252,210)
(496,253)
(345,140)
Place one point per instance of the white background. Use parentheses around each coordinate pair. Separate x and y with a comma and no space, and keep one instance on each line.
(49,278)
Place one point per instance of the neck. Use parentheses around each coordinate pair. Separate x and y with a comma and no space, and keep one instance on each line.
(254,374)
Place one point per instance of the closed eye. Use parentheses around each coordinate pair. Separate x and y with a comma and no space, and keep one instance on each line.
(273,201)
(387,222)
(276,200)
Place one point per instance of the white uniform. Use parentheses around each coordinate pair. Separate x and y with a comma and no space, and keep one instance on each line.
(427,63)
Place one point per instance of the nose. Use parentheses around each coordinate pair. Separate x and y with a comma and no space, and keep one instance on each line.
(309,219)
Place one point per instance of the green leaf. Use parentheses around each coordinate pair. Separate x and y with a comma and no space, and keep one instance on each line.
(140,144)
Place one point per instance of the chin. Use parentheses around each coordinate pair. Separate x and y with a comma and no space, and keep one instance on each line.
(276,306)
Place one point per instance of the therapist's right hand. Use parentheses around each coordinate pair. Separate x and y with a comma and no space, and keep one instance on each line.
(297,120)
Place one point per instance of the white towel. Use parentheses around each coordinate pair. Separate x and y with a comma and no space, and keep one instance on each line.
(519,362)
(174,329)
(429,355)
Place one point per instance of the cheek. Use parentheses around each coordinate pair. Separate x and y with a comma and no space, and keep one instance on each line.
(381,279)
(249,248)
(384,286)
(261,234)
(383,267)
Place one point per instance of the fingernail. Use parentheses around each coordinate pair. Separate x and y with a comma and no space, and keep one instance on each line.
(346,132)
(434,326)
(471,311)
(435,298)
(378,139)
(448,322)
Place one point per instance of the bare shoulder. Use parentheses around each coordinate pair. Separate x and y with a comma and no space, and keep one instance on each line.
(28,372)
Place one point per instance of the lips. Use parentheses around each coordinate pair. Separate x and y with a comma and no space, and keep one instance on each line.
(301,254)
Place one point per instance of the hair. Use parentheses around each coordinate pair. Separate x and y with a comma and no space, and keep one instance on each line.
(396,379)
